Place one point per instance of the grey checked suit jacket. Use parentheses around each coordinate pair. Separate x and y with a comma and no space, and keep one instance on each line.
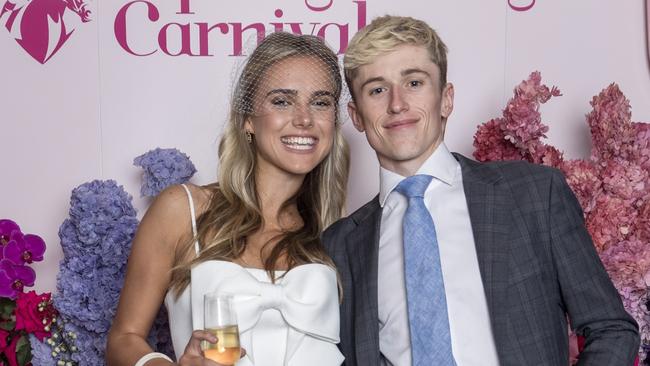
(537,263)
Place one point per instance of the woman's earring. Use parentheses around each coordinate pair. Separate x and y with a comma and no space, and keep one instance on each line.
(249,137)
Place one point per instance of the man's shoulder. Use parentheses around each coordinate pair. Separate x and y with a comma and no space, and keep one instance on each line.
(345,225)
(512,171)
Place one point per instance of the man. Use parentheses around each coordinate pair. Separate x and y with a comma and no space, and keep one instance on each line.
(457,262)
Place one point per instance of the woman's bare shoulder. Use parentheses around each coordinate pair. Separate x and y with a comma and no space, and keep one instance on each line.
(201,195)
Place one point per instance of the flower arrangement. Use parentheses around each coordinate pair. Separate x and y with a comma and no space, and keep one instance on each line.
(96,241)
(612,185)
(162,168)
(22,314)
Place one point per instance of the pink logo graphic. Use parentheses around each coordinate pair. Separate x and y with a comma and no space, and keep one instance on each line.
(39,26)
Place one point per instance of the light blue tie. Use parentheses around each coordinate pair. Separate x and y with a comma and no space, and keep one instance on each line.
(425,289)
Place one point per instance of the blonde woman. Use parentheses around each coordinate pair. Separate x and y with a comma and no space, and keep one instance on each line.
(256,233)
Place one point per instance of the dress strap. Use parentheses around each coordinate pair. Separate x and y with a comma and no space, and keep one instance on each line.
(193,215)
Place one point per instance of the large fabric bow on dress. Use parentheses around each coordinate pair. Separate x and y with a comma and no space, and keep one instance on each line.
(305,296)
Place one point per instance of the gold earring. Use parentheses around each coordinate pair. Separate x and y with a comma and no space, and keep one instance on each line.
(249,137)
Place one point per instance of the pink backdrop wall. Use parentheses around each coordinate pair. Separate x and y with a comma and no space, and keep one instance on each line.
(95,104)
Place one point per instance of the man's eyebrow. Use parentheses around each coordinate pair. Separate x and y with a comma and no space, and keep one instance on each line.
(372,80)
(406,72)
(282,91)
(414,70)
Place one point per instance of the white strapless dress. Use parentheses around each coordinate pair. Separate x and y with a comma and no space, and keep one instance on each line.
(292,322)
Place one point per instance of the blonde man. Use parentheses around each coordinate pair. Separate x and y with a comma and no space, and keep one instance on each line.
(457,262)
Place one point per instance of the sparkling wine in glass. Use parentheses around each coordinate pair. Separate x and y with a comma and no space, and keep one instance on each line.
(220,319)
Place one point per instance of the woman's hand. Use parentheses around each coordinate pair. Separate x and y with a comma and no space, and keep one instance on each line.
(193,354)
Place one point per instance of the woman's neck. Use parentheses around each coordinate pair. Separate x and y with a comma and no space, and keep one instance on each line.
(274,189)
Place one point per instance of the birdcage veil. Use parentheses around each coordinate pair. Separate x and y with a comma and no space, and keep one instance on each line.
(258,85)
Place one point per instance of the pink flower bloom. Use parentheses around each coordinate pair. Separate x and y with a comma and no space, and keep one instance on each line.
(491,145)
(628,265)
(609,122)
(522,122)
(34,313)
(584,180)
(637,149)
(546,155)
(10,352)
(4,336)
(624,179)
(611,221)
(642,229)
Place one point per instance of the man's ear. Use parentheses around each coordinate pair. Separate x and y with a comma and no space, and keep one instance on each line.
(447,102)
(355,116)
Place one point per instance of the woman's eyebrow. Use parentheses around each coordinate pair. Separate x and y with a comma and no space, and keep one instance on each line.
(282,91)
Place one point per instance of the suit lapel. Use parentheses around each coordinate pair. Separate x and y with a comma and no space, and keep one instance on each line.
(490,210)
(362,249)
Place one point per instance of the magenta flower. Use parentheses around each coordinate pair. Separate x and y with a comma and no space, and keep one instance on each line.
(14,277)
(23,249)
(6,228)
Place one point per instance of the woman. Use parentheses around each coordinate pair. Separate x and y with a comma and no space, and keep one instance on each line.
(282,177)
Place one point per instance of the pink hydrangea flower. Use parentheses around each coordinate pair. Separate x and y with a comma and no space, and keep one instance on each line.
(637,149)
(546,155)
(625,179)
(490,143)
(609,122)
(583,178)
(628,265)
(611,221)
(522,122)
(642,229)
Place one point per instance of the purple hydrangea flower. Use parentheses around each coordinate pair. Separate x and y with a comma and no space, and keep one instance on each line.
(6,228)
(24,248)
(91,346)
(96,241)
(162,168)
(41,352)
(14,277)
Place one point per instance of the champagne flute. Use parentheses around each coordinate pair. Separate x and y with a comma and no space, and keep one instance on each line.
(220,319)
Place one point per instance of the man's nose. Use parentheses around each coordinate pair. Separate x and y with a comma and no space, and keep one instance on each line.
(398,103)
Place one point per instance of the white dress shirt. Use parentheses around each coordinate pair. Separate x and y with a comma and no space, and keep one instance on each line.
(472,341)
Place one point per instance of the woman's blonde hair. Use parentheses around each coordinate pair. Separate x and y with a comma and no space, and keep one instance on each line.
(386,33)
(234,210)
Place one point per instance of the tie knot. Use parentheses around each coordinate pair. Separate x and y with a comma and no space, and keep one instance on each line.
(414,186)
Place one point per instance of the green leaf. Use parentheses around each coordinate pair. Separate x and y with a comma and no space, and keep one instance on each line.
(7,307)
(8,325)
(23,351)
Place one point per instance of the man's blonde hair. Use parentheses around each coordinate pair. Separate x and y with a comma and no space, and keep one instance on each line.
(386,33)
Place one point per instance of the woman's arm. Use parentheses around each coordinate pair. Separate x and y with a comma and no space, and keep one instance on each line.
(165,226)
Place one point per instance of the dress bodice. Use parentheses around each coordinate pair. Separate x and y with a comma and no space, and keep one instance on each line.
(294,321)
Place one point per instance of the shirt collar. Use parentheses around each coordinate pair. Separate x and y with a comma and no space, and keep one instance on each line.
(441,165)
